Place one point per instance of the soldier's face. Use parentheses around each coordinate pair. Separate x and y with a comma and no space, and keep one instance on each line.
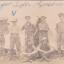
(62,18)
(27,18)
(43,20)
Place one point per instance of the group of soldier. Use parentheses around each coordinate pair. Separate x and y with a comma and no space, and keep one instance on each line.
(36,37)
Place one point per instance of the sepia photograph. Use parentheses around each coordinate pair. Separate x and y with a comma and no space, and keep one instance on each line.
(32,32)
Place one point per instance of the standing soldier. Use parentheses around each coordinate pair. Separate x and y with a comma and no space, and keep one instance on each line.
(15,38)
(60,33)
(3,32)
(29,35)
(42,33)
(41,38)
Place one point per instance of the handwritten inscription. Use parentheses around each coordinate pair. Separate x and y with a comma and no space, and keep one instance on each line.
(21,4)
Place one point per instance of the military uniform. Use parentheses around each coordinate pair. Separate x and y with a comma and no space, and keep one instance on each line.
(60,32)
(29,36)
(43,28)
(3,31)
(15,39)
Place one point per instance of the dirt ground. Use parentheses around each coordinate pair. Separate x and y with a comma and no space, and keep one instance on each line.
(21,60)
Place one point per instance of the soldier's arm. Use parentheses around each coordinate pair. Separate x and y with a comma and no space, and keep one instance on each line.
(23,28)
(35,30)
(46,27)
(58,36)
(58,28)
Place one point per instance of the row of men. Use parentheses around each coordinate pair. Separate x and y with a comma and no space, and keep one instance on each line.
(36,37)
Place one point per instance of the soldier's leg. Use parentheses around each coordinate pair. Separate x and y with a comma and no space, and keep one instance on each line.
(28,45)
(46,41)
(59,39)
(18,46)
(46,44)
(2,43)
(59,48)
(12,44)
(43,56)
(43,41)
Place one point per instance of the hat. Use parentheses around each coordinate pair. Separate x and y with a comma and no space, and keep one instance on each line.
(43,17)
(27,17)
(61,14)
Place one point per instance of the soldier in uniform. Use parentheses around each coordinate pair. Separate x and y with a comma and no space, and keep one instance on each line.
(60,33)
(38,36)
(42,31)
(15,38)
(3,31)
(41,37)
(29,35)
